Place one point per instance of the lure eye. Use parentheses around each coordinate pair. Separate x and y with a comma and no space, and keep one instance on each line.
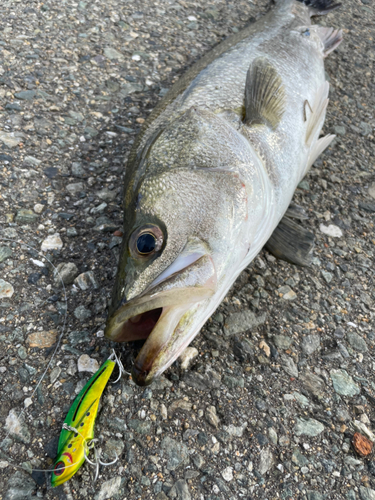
(59,468)
(146,241)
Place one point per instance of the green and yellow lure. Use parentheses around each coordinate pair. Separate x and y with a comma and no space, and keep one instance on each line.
(78,428)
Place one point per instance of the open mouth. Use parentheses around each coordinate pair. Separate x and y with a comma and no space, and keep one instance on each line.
(158,316)
(140,326)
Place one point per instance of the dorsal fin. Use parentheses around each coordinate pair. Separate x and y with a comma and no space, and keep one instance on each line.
(264,94)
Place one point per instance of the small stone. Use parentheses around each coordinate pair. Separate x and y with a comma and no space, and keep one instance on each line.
(366,493)
(106,195)
(52,242)
(242,321)
(25,95)
(82,313)
(357,342)
(42,339)
(289,366)
(363,429)
(286,293)
(25,216)
(283,341)
(339,130)
(310,343)
(314,495)
(54,375)
(109,488)
(235,431)
(187,357)
(180,490)
(212,417)
(65,272)
(233,382)
(266,461)
(20,487)
(10,139)
(16,427)
(113,53)
(227,474)
(75,188)
(38,208)
(33,162)
(272,434)
(6,290)
(362,445)
(309,427)
(299,459)
(331,230)
(5,253)
(371,190)
(343,383)
(114,447)
(28,402)
(328,277)
(87,364)
(86,281)
(177,454)
(266,348)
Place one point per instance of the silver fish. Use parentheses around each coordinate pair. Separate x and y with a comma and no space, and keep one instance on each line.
(212,174)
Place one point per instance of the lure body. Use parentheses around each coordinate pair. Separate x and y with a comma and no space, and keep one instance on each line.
(81,416)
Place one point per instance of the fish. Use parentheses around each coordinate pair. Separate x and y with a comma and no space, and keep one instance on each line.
(78,428)
(211,176)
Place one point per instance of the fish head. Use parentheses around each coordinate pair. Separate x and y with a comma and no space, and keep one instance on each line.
(182,236)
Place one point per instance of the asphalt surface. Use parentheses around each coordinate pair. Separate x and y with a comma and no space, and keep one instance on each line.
(279,400)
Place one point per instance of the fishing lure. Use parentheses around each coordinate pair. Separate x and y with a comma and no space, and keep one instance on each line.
(76,438)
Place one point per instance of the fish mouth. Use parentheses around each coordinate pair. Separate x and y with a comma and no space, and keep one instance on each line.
(162,315)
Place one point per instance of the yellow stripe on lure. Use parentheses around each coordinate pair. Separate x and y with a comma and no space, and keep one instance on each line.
(81,416)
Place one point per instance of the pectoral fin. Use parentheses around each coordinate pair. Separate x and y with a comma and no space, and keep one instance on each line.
(291,242)
(264,94)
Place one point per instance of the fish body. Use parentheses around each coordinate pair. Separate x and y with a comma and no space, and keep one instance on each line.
(81,416)
(211,175)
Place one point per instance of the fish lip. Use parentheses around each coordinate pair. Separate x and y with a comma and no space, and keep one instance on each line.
(175,296)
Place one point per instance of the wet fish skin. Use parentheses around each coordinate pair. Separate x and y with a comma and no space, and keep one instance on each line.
(215,168)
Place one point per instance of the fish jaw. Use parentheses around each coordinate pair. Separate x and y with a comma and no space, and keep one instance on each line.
(159,314)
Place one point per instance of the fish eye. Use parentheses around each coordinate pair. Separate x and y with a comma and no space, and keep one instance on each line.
(59,468)
(146,241)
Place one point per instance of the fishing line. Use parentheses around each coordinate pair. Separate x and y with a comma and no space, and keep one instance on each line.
(63,326)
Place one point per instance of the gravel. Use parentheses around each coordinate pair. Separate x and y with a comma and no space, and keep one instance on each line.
(281,377)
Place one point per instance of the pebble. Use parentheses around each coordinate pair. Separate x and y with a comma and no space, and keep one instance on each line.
(54,375)
(180,490)
(52,242)
(310,343)
(266,461)
(361,427)
(86,280)
(20,487)
(289,366)
(286,293)
(16,427)
(5,253)
(6,290)
(212,417)
(227,474)
(331,230)
(113,54)
(177,453)
(38,208)
(242,321)
(42,339)
(109,488)
(309,427)
(87,364)
(366,493)
(82,313)
(357,342)
(343,383)
(25,216)
(187,357)
(65,272)
(283,341)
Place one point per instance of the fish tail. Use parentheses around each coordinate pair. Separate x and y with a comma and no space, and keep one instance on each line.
(320,7)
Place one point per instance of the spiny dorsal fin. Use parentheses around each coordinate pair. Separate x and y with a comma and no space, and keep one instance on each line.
(264,94)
